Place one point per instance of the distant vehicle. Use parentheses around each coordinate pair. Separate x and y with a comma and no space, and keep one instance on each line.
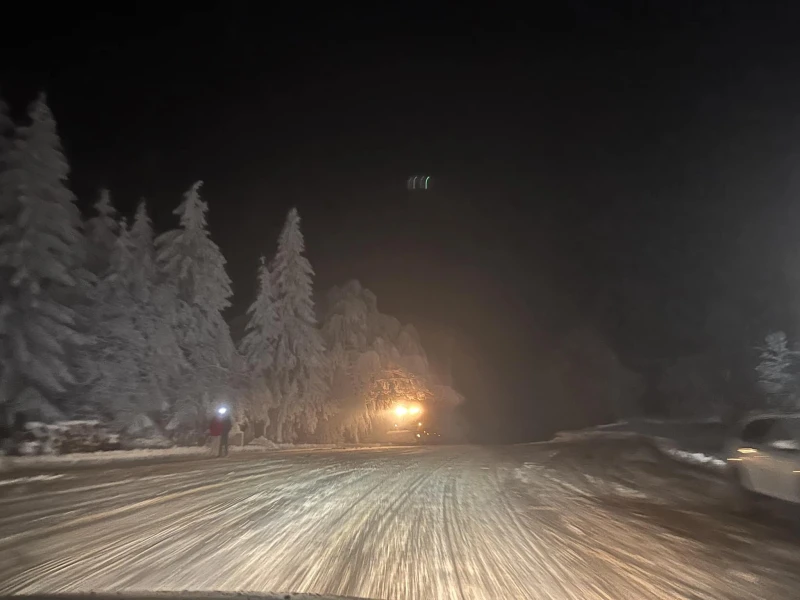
(763,455)
(403,423)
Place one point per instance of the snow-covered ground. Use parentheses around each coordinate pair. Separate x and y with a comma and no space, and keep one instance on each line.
(560,521)
(35,478)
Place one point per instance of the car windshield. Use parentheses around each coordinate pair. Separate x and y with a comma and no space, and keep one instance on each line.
(400,303)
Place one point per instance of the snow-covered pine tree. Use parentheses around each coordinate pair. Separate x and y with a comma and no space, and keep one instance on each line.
(257,348)
(113,364)
(41,252)
(193,262)
(144,275)
(345,330)
(299,367)
(93,398)
(775,371)
(258,344)
(101,234)
(155,298)
(346,322)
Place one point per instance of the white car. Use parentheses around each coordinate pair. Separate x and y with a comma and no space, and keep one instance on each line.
(764,459)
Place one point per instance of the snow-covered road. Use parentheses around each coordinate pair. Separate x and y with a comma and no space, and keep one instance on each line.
(559,521)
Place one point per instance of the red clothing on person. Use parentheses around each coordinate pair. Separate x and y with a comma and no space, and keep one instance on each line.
(216,426)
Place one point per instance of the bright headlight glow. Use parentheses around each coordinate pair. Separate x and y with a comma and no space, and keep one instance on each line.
(400,411)
(414,410)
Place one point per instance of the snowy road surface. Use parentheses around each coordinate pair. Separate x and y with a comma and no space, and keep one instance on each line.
(568,520)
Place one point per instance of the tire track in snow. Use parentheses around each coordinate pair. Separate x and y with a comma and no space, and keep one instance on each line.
(110,506)
(448,495)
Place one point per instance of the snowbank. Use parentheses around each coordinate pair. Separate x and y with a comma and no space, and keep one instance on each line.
(101,457)
(263,443)
(147,443)
(146,454)
(266,444)
(695,458)
(66,436)
(115,456)
(681,445)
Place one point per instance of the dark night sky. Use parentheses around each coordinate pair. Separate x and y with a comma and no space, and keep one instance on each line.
(572,149)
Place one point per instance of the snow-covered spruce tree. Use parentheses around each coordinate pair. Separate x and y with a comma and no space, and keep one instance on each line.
(258,344)
(192,261)
(775,372)
(299,373)
(41,255)
(156,300)
(345,330)
(101,234)
(346,321)
(100,314)
(258,348)
(113,364)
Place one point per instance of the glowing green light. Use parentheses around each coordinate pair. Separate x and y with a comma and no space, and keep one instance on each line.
(426,182)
